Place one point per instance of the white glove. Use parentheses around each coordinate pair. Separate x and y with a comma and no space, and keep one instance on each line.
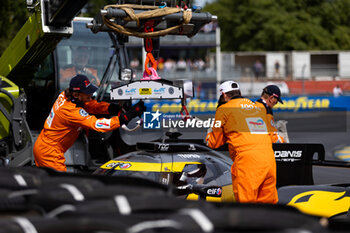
(206,140)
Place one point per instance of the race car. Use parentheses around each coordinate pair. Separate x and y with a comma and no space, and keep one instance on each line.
(200,172)
(194,170)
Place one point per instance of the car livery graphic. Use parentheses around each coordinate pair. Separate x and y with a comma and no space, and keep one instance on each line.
(319,200)
(197,171)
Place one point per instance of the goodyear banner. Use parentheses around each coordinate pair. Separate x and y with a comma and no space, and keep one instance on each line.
(291,104)
(312,103)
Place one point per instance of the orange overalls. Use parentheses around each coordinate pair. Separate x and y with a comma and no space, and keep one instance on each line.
(243,127)
(271,126)
(62,127)
(70,72)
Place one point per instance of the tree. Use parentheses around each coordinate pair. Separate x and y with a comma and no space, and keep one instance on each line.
(275,25)
(13,16)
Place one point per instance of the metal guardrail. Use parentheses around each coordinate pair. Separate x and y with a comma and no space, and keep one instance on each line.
(197,75)
(330,70)
(201,39)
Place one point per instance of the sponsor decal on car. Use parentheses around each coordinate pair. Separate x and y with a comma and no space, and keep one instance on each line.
(214,192)
(136,166)
(125,165)
(192,147)
(288,156)
(189,156)
(118,164)
(163,147)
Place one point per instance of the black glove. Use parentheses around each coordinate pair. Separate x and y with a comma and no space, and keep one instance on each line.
(126,106)
(136,110)
(114,109)
(139,108)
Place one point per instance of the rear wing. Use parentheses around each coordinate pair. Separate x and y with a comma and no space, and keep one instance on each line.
(295,162)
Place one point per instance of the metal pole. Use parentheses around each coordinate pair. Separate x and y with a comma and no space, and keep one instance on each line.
(303,79)
(218,61)
(143,56)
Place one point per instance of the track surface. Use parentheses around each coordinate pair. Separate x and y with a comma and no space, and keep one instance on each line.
(329,128)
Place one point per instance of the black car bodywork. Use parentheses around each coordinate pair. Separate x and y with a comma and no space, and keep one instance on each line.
(169,163)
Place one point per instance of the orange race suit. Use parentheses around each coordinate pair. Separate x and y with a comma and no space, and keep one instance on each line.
(70,71)
(271,126)
(63,126)
(243,127)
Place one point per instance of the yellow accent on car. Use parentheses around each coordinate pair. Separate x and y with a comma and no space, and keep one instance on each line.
(192,197)
(179,166)
(149,167)
(134,166)
(213,199)
(227,194)
(321,203)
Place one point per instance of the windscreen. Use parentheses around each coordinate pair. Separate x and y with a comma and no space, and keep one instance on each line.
(84,53)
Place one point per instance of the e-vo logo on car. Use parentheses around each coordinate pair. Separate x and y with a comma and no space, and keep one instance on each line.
(151,120)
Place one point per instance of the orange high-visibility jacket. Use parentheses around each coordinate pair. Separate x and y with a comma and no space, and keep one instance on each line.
(63,126)
(271,126)
(243,127)
(71,71)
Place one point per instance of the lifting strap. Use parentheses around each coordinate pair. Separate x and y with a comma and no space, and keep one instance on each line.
(184,112)
(149,27)
(150,13)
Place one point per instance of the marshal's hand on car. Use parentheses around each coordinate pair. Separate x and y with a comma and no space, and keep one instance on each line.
(136,111)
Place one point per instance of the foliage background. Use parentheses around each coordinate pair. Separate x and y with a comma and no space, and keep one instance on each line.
(283,25)
(246,25)
(13,16)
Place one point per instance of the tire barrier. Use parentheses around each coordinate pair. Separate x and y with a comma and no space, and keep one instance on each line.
(35,200)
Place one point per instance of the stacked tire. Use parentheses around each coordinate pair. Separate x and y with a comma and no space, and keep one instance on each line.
(37,200)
